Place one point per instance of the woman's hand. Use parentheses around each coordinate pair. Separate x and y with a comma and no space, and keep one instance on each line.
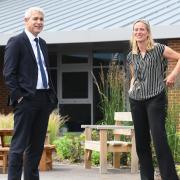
(170,80)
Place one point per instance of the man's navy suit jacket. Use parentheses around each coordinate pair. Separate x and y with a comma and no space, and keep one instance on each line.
(20,67)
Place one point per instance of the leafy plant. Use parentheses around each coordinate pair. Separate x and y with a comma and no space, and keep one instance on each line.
(110,89)
(69,147)
(172,123)
(95,157)
(63,146)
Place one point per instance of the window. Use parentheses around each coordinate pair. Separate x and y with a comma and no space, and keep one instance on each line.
(53,68)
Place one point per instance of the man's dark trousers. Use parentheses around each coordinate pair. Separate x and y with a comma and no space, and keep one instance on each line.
(30,126)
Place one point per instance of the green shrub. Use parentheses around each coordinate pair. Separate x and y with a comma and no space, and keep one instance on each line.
(95,158)
(173,135)
(69,147)
(63,147)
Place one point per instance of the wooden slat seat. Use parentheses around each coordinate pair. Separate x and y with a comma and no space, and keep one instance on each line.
(117,143)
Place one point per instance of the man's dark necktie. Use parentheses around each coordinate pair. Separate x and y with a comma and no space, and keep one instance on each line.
(43,74)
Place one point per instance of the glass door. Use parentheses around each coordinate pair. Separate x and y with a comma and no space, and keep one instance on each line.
(75,89)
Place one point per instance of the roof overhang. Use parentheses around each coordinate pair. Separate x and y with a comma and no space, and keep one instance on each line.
(98,35)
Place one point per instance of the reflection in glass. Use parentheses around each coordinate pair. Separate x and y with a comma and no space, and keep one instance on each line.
(78,114)
(75,85)
(103,59)
(74,59)
(54,78)
(52,59)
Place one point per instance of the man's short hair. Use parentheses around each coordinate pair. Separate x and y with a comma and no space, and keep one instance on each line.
(29,11)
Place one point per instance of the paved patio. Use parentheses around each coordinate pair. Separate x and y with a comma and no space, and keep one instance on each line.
(77,172)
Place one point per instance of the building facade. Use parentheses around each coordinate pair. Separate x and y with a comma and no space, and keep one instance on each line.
(82,37)
(73,67)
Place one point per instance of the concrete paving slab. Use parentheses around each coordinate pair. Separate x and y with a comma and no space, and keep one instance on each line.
(77,172)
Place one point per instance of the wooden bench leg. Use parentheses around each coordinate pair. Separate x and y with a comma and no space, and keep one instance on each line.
(103,150)
(46,158)
(116,160)
(134,158)
(42,165)
(87,158)
(87,152)
(4,163)
(4,159)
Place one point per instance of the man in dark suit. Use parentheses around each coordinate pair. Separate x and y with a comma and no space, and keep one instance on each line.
(32,95)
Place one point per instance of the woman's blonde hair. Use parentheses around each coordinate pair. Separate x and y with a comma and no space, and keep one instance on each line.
(150,41)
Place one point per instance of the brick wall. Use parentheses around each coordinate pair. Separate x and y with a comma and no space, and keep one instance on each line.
(174,93)
(3,90)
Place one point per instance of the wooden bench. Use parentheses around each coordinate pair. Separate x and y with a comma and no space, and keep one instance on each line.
(46,158)
(4,148)
(116,146)
(45,163)
(4,151)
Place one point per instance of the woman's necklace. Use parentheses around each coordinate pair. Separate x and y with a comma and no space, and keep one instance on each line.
(143,54)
